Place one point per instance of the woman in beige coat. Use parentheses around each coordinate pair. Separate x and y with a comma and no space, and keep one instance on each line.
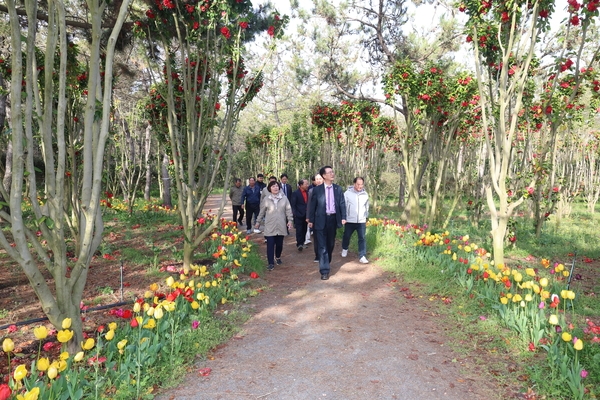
(277,213)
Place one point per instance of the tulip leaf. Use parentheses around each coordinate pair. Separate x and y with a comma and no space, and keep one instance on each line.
(49,223)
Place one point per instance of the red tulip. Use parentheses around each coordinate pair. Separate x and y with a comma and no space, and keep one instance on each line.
(4,392)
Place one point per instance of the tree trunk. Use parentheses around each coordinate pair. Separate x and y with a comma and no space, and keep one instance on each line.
(166,182)
(147,146)
(402,189)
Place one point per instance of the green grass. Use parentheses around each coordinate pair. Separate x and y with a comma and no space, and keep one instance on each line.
(135,256)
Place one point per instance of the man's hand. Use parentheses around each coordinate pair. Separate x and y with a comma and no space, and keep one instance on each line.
(343,222)
(310,224)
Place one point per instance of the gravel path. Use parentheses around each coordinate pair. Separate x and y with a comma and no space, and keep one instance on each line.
(355,336)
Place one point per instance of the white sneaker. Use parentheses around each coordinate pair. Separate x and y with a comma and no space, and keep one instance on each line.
(256,231)
(344,252)
(307,242)
(363,260)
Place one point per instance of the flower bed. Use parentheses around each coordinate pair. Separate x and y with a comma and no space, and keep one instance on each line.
(160,330)
(534,300)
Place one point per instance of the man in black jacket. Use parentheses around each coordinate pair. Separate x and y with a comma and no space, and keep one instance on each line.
(327,213)
(286,188)
(299,200)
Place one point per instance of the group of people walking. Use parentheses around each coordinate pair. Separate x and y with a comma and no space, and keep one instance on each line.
(321,206)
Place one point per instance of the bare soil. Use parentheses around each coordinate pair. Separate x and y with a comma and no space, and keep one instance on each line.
(362,334)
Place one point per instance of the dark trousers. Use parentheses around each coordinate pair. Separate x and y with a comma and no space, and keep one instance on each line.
(361,229)
(251,209)
(301,225)
(274,248)
(326,240)
(236,210)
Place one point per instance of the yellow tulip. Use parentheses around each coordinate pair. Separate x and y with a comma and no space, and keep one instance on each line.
(61,365)
(8,345)
(147,294)
(43,364)
(112,326)
(33,394)
(223,300)
(516,298)
(578,345)
(207,284)
(150,311)
(136,307)
(528,297)
(503,300)
(182,277)
(544,282)
(40,332)
(195,304)
(78,357)
(553,320)
(170,281)
(566,336)
(467,249)
(545,294)
(154,287)
(109,335)
(20,372)
(518,277)
(244,255)
(530,271)
(66,324)
(565,273)
(191,284)
(64,355)
(214,283)
(571,295)
(146,306)
(151,324)
(64,336)
(121,345)
(52,372)
(88,344)
(564,293)
(158,313)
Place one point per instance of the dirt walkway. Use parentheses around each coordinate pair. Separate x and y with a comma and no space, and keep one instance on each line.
(354,336)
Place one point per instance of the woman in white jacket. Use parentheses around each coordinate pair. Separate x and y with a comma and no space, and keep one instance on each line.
(357,212)
(277,213)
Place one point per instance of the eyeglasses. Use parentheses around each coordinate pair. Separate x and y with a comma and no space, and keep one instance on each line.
(329,172)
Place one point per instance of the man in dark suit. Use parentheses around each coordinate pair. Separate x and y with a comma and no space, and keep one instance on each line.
(299,201)
(326,213)
(286,188)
